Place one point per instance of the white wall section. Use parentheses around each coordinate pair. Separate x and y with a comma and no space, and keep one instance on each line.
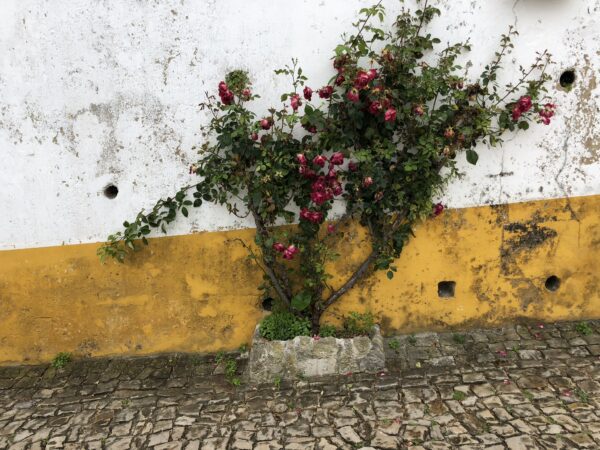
(106,91)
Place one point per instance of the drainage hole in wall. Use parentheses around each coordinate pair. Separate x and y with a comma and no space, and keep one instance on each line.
(567,78)
(552,283)
(111,191)
(446,289)
(267,304)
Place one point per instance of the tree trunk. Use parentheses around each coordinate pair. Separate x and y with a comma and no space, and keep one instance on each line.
(315,318)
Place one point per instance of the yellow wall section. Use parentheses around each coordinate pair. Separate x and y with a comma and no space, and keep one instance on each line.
(197,293)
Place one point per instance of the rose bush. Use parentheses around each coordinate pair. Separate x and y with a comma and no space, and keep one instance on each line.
(382,139)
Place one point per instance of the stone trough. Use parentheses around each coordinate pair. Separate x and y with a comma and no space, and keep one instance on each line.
(312,357)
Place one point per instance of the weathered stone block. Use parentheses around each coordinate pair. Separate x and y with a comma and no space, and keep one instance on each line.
(306,356)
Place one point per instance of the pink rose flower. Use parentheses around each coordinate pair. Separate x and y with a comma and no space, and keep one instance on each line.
(278,247)
(390,115)
(368,181)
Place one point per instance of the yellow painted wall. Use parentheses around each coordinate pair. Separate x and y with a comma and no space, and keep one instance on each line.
(197,293)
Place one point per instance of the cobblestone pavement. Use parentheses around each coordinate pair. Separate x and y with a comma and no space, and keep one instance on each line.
(523,387)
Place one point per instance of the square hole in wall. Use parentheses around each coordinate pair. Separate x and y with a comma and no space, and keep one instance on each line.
(446,289)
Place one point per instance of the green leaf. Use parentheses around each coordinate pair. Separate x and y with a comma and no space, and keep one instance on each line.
(523,125)
(301,301)
(390,274)
(472,156)
(184,211)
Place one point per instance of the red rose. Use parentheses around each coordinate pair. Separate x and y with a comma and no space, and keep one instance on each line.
(223,87)
(325,92)
(226,97)
(295,102)
(319,160)
(339,80)
(337,158)
(525,103)
(337,188)
(254,136)
(278,247)
(375,107)
(353,95)
(301,158)
(330,228)
(372,74)
(319,185)
(318,197)
(361,80)
(516,113)
(307,173)
(308,92)
(438,208)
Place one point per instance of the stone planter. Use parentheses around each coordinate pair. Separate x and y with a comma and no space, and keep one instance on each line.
(306,356)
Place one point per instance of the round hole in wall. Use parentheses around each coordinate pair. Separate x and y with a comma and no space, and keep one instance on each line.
(552,283)
(567,78)
(111,191)
(267,304)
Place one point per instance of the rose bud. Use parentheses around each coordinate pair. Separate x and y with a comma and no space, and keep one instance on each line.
(368,181)
(525,103)
(246,93)
(308,92)
(353,95)
(278,247)
(372,73)
(438,208)
(295,102)
(254,136)
(418,110)
(339,80)
(288,255)
(305,214)
(223,87)
(337,158)
(449,133)
(331,228)
(325,92)
(301,158)
(352,166)
(265,124)
(390,115)
(375,107)
(319,160)
(292,249)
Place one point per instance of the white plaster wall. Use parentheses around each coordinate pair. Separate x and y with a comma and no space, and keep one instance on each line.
(99,91)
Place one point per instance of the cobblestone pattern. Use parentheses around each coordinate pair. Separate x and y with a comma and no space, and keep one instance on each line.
(518,388)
